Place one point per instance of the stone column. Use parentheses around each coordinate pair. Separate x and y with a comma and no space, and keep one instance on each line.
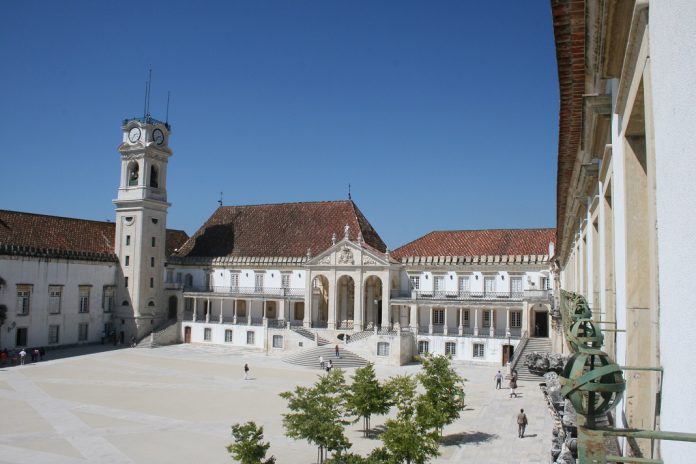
(525,318)
(264,318)
(234,311)
(248,308)
(207,310)
(371,306)
(333,300)
(445,329)
(386,301)
(461,321)
(195,307)
(413,318)
(476,321)
(507,321)
(281,310)
(430,324)
(221,305)
(492,320)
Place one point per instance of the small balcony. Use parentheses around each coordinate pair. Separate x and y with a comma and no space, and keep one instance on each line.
(263,292)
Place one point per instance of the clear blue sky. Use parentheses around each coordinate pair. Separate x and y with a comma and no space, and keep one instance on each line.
(441,115)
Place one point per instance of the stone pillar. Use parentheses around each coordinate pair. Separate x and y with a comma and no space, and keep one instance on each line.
(430,324)
(461,321)
(386,301)
(281,310)
(413,318)
(493,321)
(264,318)
(507,321)
(221,305)
(195,304)
(446,328)
(207,310)
(476,322)
(525,318)
(234,311)
(371,306)
(248,308)
(342,309)
(333,299)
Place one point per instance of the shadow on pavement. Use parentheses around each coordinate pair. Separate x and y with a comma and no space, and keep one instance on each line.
(463,438)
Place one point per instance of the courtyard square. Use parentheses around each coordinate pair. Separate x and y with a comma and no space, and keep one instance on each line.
(176,405)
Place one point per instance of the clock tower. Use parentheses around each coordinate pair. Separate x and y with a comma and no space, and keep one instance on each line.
(141,226)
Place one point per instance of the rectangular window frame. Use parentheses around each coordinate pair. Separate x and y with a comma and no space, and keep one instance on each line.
(207,334)
(229,336)
(84,294)
(53,334)
(24,299)
(55,296)
(423,347)
(451,348)
(83,332)
(250,337)
(414,281)
(438,316)
(383,349)
(479,350)
(277,341)
(516,319)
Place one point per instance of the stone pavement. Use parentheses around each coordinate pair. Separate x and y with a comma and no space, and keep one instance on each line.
(176,405)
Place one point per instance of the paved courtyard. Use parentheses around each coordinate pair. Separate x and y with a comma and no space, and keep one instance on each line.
(176,405)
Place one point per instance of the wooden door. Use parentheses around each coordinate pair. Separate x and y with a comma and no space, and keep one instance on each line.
(187,334)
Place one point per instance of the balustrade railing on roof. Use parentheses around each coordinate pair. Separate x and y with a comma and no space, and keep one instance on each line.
(247,291)
(456,295)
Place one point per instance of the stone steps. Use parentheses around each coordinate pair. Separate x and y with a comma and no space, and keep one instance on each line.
(309,357)
(310,335)
(533,344)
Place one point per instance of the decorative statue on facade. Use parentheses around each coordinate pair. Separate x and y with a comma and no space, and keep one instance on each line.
(346,232)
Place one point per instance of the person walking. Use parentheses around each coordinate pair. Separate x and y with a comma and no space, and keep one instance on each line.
(246,371)
(321,362)
(338,354)
(513,384)
(498,380)
(521,423)
(22,355)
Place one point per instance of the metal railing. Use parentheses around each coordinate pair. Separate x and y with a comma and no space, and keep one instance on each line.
(276,323)
(247,291)
(470,296)
(347,325)
(518,350)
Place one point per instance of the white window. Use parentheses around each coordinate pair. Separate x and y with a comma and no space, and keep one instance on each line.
(23,299)
(438,316)
(250,337)
(439,285)
(487,318)
(108,303)
(478,350)
(285,280)
(277,341)
(489,285)
(234,280)
(84,299)
(423,347)
(516,319)
(228,336)
(53,334)
(450,348)
(258,282)
(464,285)
(382,349)
(466,316)
(207,334)
(516,285)
(544,283)
(82,332)
(54,295)
(415,282)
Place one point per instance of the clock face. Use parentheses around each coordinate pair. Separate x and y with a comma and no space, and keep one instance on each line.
(134,135)
(158,137)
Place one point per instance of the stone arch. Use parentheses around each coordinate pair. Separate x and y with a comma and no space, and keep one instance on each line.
(320,298)
(345,302)
(373,302)
(133,173)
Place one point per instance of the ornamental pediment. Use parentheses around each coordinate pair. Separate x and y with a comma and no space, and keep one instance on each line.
(347,253)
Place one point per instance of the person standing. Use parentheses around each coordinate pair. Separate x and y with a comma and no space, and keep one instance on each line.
(498,381)
(246,371)
(521,423)
(321,362)
(22,355)
(338,354)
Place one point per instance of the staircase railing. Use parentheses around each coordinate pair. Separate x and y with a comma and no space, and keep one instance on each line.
(518,352)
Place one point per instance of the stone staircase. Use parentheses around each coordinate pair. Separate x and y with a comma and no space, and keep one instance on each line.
(533,344)
(164,334)
(310,335)
(309,357)
(360,336)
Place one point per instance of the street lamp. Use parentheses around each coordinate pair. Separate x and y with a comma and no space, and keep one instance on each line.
(509,347)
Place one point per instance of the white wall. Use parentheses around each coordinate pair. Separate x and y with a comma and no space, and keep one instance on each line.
(673,70)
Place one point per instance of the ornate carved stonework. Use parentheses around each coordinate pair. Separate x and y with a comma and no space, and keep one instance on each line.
(368,260)
(345,256)
(325,260)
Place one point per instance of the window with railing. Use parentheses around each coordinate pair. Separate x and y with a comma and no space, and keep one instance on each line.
(439,285)
(23,299)
(234,280)
(488,318)
(466,316)
(464,285)
(55,292)
(258,282)
(450,348)
(516,285)
(285,280)
(84,298)
(423,347)
(489,285)
(415,282)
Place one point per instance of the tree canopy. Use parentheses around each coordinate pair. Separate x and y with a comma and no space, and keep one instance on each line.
(248,446)
(366,396)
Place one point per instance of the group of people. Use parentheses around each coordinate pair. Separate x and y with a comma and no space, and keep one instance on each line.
(323,365)
(521,417)
(20,356)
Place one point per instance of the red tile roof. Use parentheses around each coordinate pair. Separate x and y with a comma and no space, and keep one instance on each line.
(490,242)
(283,229)
(569,32)
(41,235)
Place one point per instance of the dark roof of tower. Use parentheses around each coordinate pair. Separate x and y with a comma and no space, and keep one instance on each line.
(487,242)
(278,230)
(32,234)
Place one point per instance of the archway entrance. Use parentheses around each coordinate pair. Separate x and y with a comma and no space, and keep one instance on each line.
(373,302)
(346,303)
(508,351)
(173,304)
(320,299)
(541,324)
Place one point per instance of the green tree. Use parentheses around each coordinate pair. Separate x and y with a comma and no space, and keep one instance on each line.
(366,396)
(248,446)
(407,438)
(318,414)
(443,400)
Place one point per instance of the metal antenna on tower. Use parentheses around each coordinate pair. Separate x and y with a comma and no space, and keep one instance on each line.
(147,94)
(166,121)
(349,197)
(220,200)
